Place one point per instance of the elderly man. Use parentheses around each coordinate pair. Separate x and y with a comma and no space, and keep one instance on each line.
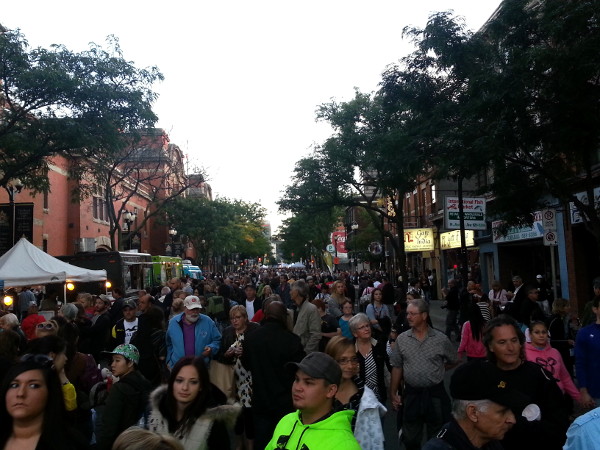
(307,321)
(483,410)
(420,359)
(543,426)
(192,334)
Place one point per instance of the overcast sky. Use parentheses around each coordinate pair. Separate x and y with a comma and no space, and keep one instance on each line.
(243,79)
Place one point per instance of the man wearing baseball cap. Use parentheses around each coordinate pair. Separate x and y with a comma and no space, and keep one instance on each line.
(192,334)
(483,410)
(315,425)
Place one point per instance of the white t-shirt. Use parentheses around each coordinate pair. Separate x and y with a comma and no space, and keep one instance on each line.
(250,309)
(130,329)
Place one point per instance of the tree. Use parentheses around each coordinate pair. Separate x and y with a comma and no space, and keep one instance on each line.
(83,106)
(149,168)
(306,234)
(221,227)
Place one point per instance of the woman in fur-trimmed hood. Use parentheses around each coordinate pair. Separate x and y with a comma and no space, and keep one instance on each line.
(185,409)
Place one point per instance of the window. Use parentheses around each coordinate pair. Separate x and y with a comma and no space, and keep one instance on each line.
(99,210)
(433,194)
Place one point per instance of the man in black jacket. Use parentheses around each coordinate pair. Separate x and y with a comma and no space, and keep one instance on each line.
(265,353)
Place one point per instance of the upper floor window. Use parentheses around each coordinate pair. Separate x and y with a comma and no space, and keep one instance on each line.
(99,209)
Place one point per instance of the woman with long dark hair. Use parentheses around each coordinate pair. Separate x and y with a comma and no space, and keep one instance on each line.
(32,410)
(186,410)
(471,341)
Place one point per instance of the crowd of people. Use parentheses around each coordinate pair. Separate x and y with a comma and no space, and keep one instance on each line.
(269,359)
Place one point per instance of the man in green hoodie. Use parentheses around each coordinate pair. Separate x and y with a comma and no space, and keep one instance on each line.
(315,425)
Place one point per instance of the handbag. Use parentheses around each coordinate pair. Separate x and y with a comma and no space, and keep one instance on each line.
(223,377)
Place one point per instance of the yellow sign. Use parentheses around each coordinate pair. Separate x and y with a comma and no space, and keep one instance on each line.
(451,239)
(418,240)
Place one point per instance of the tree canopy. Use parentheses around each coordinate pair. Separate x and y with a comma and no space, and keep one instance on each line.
(83,106)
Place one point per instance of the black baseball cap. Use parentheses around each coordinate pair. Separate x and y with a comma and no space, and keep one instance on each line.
(480,380)
(319,365)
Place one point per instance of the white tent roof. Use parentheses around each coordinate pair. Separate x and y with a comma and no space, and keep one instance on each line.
(26,265)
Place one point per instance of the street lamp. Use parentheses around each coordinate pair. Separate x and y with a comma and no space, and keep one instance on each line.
(13,187)
(353,227)
(129,219)
(172,233)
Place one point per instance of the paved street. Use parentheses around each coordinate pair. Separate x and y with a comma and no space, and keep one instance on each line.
(438,316)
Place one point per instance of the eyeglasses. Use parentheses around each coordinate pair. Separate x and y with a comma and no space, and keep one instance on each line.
(344,361)
(45,326)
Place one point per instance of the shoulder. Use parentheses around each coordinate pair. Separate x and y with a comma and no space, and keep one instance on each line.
(157,395)
(224,413)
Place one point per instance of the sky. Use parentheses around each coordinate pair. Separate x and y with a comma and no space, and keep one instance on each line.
(243,79)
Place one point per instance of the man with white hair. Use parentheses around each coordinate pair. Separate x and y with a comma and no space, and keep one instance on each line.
(483,410)
(192,334)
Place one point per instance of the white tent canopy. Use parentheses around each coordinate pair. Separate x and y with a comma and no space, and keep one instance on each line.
(27,265)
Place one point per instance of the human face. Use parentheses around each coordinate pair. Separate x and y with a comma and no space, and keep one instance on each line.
(192,315)
(27,395)
(310,395)
(186,385)
(349,364)
(517,282)
(414,317)
(120,366)
(539,335)
(347,309)
(533,295)
(250,293)
(238,321)
(506,346)
(129,314)
(339,288)
(99,306)
(296,298)
(363,331)
(377,295)
(494,421)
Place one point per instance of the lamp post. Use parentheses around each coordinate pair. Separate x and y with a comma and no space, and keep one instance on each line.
(353,227)
(336,253)
(129,218)
(13,187)
(172,233)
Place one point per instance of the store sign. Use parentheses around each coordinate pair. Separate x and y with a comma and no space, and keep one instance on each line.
(473,211)
(518,233)
(451,239)
(418,240)
(574,213)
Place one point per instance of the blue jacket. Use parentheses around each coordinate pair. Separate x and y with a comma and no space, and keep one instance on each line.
(206,334)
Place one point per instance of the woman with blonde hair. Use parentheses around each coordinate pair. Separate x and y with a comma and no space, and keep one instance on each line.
(135,438)
(352,394)
(337,299)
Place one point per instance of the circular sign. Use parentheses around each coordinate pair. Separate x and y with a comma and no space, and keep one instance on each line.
(549,214)
(375,248)
(331,248)
(550,236)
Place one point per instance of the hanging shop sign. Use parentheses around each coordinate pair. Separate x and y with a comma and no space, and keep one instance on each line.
(451,239)
(536,230)
(418,240)
(473,211)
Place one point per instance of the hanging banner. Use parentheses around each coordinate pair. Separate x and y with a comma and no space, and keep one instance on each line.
(536,230)
(418,240)
(473,210)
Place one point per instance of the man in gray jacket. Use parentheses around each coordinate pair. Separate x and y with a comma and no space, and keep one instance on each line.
(307,321)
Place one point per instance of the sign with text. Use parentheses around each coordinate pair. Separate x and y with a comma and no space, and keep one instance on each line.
(574,213)
(418,240)
(536,230)
(473,211)
(451,239)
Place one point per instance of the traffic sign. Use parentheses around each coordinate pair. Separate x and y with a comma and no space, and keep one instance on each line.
(330,248)
(549,219)
(550,238)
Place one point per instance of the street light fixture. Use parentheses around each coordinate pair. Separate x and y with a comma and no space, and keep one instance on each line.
(172,233)
(353,227)
(13,187)
(129,218)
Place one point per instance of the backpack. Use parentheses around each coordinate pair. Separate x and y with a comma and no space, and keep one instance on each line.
(218,308)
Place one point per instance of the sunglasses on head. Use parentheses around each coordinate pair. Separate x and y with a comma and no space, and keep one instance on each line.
(45,326)
(42,360)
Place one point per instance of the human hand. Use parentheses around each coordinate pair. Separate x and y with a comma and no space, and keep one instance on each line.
(587,401)
(396,401)
(207,351)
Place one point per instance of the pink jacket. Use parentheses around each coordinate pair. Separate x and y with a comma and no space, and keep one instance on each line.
(550,359)
(474,348)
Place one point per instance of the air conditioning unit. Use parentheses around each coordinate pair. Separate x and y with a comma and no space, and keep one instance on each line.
(86,245)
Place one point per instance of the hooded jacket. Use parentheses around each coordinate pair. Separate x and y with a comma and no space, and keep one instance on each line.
(332,433)
(205,334)
(198,437)
(549,358)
